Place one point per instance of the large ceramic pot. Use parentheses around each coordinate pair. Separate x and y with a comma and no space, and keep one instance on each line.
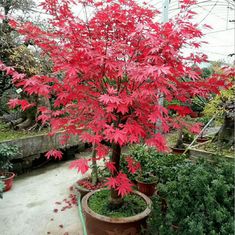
(102,225)
(7,178)
(146,188)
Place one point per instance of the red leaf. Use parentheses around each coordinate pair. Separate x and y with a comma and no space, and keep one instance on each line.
(132,165)
(124,185)
(111,182)
(13,103)
(158,141)
(182,110)
(106,99)
(81,165)
(195,128)
(54,153)
(111,166)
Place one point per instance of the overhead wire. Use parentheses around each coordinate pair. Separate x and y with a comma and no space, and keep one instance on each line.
(219,31)
(209,12)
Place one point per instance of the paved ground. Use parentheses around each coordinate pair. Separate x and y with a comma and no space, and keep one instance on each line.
(28,208)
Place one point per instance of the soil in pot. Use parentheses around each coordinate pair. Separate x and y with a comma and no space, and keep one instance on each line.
(84,186)
(7,178)
(103,220)
(133,204)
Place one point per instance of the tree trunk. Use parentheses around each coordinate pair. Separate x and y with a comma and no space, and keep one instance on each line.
(179,143)
(116,200)
(94,173)
(225,136)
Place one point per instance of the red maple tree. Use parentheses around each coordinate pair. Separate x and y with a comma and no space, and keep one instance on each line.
(111,65)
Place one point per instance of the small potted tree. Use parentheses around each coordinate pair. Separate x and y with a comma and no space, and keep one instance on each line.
(146,183)
(94,181)
(179,146)
(7,153)
(116,63)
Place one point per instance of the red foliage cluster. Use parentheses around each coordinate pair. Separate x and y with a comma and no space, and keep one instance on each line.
(88,185)
(121,183)
(111,66)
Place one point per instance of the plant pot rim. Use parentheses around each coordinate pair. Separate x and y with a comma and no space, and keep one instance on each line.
(8,175)
(120,220)
(76,185)
(140,181)
(174,148)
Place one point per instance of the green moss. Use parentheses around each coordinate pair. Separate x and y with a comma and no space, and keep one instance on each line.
(7,133)
(133,204)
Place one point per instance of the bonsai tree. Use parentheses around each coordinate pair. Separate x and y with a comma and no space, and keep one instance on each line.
(111,66)
(223,106)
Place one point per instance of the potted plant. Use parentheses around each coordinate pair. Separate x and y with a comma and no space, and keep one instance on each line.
(187,137)
(179,147)
(112,75)
(214,180)
(2,186)
(197,106)
(202,139)
(6,154)
(146,183)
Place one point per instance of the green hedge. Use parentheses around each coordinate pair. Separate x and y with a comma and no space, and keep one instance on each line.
(196,199)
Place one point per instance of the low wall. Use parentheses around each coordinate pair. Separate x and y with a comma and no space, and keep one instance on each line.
(32,148)
(42,143)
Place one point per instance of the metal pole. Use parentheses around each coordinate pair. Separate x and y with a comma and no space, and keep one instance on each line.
(165,10)
(200,133)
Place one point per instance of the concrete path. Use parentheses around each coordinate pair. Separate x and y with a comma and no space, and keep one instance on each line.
(28,208)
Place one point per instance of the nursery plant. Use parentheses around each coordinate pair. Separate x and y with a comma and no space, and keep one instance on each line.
(198,198)
(161,165)
(7,153)
(2,186)
(111,65)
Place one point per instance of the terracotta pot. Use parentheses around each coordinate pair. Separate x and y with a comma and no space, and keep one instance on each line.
(194,115)
(7,180)
(177,150)
(146,188)
(202,139)
(83,191)
(103,225)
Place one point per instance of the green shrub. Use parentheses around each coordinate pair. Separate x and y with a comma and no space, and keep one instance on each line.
(159,164)
(1,188)
(198,200)
(204,120)
(7,153)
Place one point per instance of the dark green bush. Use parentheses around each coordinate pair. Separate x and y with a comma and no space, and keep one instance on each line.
(197,200)
(159,164)
(1,188)
(7,153)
